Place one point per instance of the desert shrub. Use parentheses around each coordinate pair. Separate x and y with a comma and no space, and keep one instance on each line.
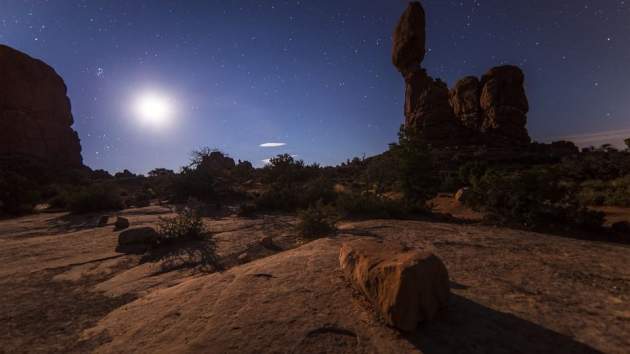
(317,220)
(185,226)
(417,177)
(18,194)
(196,183)
(533,198)
(627,142)
(94,198)
(612,193)
(373,206)
(141,198)
(296,189)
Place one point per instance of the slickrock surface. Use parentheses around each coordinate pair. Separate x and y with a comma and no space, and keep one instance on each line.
(66,289)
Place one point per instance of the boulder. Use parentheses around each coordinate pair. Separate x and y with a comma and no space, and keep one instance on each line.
(138,236)
(121,223)
(462,194)
(410,38)
(35,114)
(267,242)
(406,286)
(102,221)
(504,106)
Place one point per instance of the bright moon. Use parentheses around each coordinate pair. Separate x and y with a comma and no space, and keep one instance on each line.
(154,109)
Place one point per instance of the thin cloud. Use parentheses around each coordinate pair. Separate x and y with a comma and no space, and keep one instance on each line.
(614,137)
(272,145)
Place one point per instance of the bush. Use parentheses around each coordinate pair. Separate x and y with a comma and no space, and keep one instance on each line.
(18,194)
(318,220)
(372,206)
(186,226)
(292,196)
(615,192)
(533,198)
(94,198)
(416,173)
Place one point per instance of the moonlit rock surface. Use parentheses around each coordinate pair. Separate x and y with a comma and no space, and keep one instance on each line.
(35,115)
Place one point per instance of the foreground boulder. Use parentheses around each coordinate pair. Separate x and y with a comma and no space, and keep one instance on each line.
(35,115)
(138,236)
(406,286)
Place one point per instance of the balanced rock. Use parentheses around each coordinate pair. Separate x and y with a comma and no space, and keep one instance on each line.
(405,286)
(410,38)
(505,106)
(35,115)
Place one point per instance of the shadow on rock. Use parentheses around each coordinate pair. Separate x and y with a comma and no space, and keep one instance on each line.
(468,327)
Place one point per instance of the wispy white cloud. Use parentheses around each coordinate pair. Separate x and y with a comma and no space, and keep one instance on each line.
(272,145)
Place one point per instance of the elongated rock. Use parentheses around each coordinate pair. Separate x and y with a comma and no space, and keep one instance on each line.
(405,286)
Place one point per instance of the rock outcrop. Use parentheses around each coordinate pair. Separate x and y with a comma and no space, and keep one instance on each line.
(491,111)
(35,116)
(464,99)
(505,105)
(406,286)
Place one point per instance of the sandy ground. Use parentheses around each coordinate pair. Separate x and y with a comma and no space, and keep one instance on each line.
(66,289)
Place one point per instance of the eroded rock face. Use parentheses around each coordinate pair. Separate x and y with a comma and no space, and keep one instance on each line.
(410,38)
(406,286)
(491,111)
(35,115)
(505,105)
(427,108)
(464,99)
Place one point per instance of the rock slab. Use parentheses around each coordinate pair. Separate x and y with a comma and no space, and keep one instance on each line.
(406,286)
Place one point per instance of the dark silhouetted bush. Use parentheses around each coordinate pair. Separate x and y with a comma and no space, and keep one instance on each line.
(417,177)
(317,220)
(94,198)
(18,194)
(534,198)
(186,226)
(373,206)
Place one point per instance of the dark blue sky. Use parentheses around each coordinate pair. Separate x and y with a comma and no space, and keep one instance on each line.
(315,75)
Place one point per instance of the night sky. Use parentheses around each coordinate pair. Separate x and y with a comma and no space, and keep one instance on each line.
(314,75)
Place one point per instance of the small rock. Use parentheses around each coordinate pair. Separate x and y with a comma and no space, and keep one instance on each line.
(121,223)
(138,236)
(103,220)
(267,242)
(405,286)
(462,194)
(243,257)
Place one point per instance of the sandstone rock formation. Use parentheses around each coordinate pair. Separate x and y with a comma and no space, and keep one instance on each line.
(505,104)
(35,116)
(491,111)
(406,286)
(464,99)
